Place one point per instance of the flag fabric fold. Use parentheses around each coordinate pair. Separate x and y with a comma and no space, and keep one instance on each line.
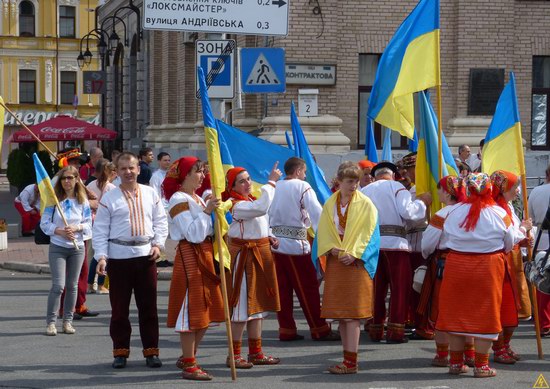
(47,194)
(314,175)
(217,175)
(386,146)
(409,64)
(370,142)
(413,143)
(427,158)
(503,148)
(288,141)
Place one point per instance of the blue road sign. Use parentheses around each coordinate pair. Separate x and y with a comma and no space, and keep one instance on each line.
(220,65)
(263,70)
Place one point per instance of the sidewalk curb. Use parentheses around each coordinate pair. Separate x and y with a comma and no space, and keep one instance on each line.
(163,275)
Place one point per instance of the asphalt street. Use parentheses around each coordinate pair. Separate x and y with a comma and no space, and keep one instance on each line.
(30,359)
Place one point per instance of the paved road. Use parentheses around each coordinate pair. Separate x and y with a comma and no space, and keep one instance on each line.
(29,359)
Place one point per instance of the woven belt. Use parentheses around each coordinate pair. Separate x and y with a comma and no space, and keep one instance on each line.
(297,233)
(390,230)
(417,229)
(131,242)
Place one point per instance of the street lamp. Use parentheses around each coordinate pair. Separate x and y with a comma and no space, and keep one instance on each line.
(87,57)
(80,60)
(114,39)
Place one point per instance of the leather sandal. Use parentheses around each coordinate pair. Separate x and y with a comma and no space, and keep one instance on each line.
(458,368)
(262,359)
(484,372)
(440,361)
(342,369)
(513,354)
(195,373)
(504,358)
(181,365)
(240,363)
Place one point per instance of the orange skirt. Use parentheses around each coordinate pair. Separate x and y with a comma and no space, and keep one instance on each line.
(470,297)
(194,273)
(348,292)
(256,263)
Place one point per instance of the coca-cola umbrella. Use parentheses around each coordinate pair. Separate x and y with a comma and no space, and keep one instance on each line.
(64,128)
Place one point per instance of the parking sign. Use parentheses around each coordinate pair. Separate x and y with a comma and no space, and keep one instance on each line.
(217,60)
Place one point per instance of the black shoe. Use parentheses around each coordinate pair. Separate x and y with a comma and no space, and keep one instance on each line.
(395,341)
(331,336)
(25,234)
(77,316)
(296,337)
(164,263)
(119,363)
(88,313)
(153,361)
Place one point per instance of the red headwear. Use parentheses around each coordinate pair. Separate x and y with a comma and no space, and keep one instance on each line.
(364,164)
(478,189)
(503,181)
(454,186)
(230,178)
(176,174)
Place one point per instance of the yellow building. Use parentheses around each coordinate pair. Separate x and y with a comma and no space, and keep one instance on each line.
(39,73)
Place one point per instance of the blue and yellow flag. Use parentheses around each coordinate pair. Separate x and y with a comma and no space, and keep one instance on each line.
(503,148)
(413,143)
(370,142)
(47,194)
(362,235)
(217,175)
(386,146)
(314,175)
(427,158)
(410,63)
(257,156)
(288,141)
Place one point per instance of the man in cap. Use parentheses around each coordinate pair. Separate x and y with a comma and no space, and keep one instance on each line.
(414,236)
(395,206)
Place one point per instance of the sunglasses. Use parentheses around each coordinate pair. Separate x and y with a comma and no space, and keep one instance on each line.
(68,178)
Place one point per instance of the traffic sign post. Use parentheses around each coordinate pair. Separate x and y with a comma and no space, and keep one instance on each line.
(252,17)
(217,60)
(263,70)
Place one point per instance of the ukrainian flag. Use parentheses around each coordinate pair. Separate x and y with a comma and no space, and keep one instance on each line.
(386,146)
(47,194)
(427,158)
(370,142)
(409,64)
(503,148)
(217,175)
(314,175)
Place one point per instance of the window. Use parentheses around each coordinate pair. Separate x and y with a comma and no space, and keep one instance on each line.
(68,87)
(26,19)
(67,22)
(485,88)
(368,63)
(27,86)
(540,99)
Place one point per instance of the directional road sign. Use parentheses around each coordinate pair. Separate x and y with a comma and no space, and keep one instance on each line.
(263,70)
(217,60)
(253,17)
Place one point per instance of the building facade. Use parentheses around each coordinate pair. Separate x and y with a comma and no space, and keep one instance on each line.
(39,73)
(481,42)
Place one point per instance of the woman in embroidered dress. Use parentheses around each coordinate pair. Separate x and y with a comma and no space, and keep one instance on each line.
(478,235)
(66,260)
(254,290)
(434,248)
(195,298)
(348,234)
(515,294)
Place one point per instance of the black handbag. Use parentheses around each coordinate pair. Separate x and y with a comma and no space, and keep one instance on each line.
(40,236)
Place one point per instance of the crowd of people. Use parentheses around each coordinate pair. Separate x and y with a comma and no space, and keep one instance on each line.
(374,233)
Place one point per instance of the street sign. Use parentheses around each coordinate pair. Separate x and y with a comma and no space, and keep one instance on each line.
(94,82)
(253,17)
(263,70)
(217,60)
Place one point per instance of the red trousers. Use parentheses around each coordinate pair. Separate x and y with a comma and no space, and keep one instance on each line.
(80,305)
(28,220)
(138,275)
(296,273)
(394,270)
(543,302)
(420,325)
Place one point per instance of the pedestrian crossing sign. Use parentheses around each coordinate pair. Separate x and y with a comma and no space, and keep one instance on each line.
(263,70)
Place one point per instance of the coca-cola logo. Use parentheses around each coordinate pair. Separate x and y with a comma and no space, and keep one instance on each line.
(68,130)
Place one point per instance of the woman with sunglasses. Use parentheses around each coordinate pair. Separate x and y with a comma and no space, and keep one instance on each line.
(66,260)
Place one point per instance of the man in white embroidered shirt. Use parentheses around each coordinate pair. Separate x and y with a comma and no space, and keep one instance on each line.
(129,232)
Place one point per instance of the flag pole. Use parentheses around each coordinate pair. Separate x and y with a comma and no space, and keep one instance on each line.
(532,289)
(439,111)
(28,129)
(218,232)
